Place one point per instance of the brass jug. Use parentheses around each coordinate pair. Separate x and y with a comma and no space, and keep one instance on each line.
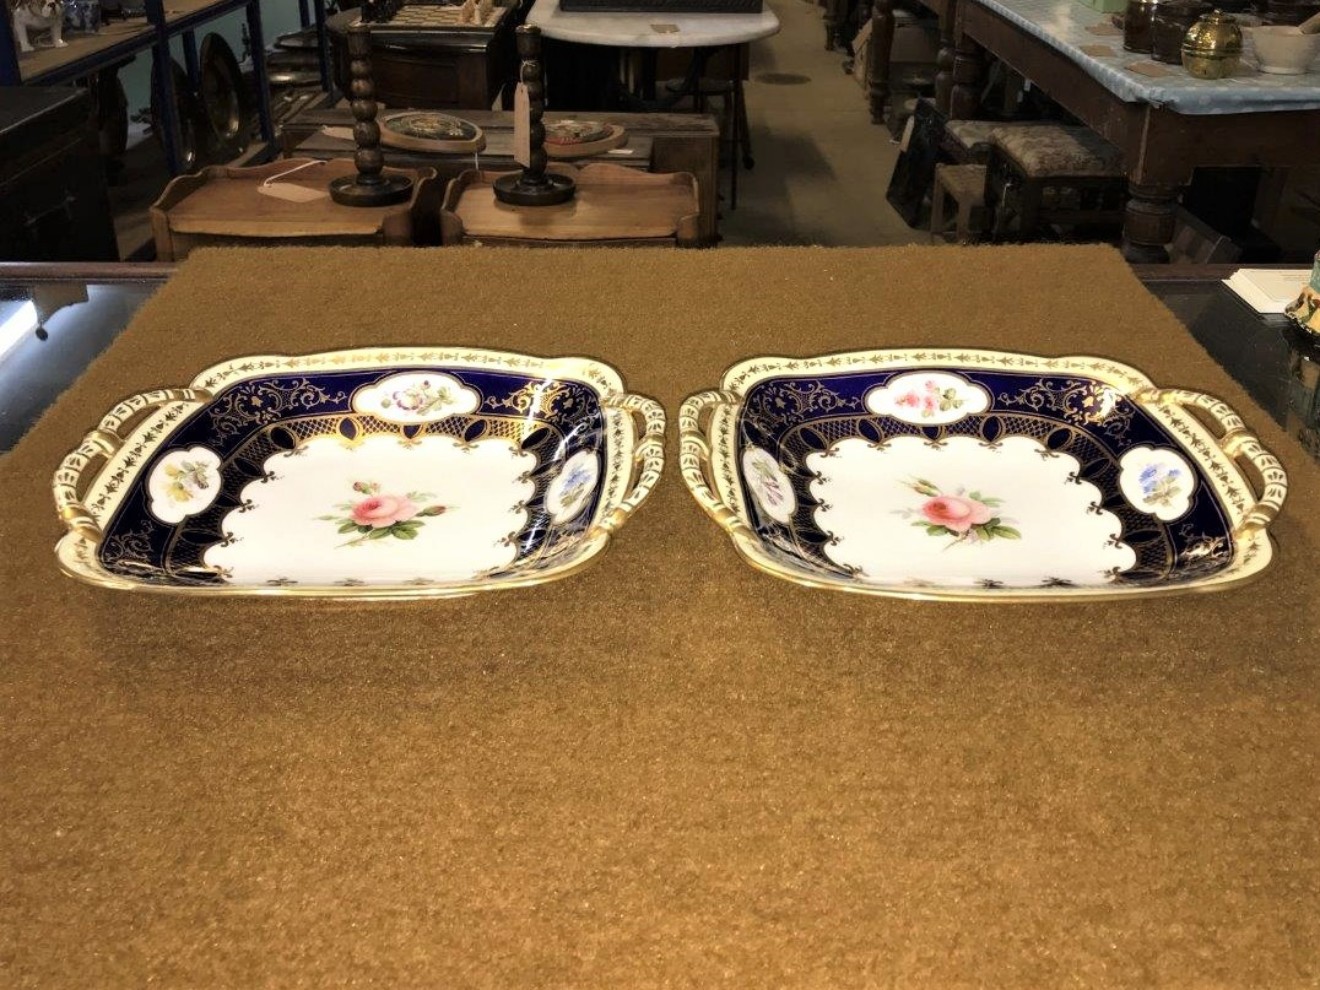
(1213,46)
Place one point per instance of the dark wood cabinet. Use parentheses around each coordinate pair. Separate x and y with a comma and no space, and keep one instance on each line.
(53,200)
(459,67)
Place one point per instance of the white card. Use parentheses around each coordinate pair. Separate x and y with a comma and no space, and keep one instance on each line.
(288,191)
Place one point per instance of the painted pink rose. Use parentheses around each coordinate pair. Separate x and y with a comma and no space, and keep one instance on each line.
(380,511)
(956,513)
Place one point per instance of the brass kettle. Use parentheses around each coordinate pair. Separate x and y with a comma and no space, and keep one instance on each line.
(1212,48)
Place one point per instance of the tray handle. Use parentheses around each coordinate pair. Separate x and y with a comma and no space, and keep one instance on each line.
(694,457)
(102,443)
(1239,444)
(649,455)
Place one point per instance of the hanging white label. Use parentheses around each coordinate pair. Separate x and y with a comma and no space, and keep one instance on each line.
(522,126)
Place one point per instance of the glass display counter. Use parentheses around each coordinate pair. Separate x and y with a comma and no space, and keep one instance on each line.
(55,320)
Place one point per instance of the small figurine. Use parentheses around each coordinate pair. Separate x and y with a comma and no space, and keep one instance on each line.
(40,15)
(1305,309)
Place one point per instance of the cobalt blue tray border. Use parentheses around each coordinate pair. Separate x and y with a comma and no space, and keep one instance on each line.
(134,537)
(776,407)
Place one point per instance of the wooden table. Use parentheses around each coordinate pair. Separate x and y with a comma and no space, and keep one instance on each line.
(668,770)
(652,33)
(1160,147)
(882,44)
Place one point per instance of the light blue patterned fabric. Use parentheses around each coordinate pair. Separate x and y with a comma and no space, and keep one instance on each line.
(1062,24)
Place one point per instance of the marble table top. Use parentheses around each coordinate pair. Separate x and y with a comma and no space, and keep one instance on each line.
(651,30)
(1074,29)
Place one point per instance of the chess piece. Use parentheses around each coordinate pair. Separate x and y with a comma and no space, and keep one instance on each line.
(370,187)
(485,8)
(533,186)
(467,14)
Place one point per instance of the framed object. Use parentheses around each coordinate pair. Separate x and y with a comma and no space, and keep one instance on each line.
(429,130)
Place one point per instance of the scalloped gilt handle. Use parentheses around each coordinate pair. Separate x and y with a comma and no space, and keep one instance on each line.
(1240,444)
(694,456)
(649,455)
(101,444)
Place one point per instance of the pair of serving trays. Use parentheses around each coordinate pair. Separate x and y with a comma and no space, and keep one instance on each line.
(407,472)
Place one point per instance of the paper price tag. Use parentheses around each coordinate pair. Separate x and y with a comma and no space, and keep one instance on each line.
(908,128)
(293,194)
(522,127)
(1152,69)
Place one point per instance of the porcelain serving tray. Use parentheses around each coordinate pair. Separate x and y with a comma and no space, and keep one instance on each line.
(398,472)
(979,475)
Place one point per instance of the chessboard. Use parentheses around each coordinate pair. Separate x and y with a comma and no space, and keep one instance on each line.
(445,17)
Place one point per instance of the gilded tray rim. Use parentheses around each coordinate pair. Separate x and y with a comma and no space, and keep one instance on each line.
(707,453)
(635,426)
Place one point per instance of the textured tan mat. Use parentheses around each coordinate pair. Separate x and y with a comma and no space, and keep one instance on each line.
(669,771)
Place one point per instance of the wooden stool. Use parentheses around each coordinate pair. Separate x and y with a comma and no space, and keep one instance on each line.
(223,206)
(1053,174)
(968,141)
(965,185)
(614,207)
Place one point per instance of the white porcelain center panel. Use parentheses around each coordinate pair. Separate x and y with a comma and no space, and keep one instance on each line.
(379,511)
(963,513)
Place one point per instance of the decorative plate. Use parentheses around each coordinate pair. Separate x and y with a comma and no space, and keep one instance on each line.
(979,475)
(582,138)
(427,130)
(385,473)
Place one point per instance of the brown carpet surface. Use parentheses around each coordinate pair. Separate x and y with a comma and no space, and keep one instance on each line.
(669,771)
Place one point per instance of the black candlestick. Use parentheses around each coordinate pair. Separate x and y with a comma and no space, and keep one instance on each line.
(370,187)
(533,186)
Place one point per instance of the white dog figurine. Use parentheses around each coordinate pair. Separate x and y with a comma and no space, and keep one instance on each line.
(39,15)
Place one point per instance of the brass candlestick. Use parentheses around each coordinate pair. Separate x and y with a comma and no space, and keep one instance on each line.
(533,186)
(370,187)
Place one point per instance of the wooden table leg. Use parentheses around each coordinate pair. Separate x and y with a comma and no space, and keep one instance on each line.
(944,62)
(882,46)
(968,70)
(1148,221)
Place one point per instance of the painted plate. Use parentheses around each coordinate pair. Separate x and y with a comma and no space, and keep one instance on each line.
(582,138)
(372,473)
(427,130)
(979,475)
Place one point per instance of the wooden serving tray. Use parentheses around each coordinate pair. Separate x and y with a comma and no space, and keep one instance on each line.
(614,206)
